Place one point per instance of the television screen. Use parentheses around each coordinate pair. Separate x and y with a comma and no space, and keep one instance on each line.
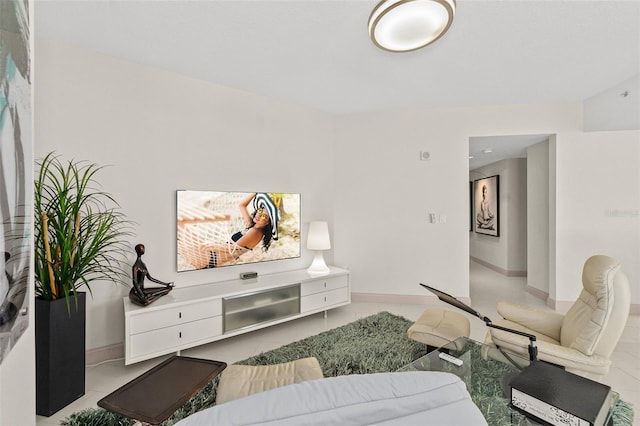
(216,229)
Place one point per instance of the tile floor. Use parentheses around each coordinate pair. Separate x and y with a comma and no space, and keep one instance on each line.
(487,287)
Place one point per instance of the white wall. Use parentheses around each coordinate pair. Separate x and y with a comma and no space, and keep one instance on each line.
(597,206)
(18,379)
(384,192)
(515,200)
(160,132)
(538,217)
(612,110)
(553,193)
(508,252)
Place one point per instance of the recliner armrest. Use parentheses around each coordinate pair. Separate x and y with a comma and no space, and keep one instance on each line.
(594,366)
(548,323)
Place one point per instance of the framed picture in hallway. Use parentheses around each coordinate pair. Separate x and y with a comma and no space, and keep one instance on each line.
(486,203)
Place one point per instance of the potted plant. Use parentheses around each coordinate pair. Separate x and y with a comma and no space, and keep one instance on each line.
(79,238)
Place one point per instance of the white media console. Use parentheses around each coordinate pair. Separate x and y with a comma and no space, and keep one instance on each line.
(196,315)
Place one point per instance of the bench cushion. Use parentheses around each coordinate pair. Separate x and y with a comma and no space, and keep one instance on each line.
(237,381)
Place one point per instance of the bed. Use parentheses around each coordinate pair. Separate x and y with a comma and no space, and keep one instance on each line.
(402,398)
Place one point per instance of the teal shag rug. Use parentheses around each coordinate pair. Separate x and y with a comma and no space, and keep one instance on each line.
(374,344)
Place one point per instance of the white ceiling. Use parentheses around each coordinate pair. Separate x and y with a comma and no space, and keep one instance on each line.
(318,54)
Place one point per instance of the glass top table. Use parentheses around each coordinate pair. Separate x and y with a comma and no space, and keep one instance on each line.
(486,372)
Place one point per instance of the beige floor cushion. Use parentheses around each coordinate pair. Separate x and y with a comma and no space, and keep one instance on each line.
(438,327)
(237,381)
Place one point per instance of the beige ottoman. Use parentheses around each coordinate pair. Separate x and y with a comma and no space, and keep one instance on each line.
(237,381)
(438,327)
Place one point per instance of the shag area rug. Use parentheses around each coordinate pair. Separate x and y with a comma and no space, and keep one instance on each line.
(374,344)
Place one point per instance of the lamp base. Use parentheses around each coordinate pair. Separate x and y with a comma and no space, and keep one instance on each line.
(318,266)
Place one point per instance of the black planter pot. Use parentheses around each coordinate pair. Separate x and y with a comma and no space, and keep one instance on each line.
(60,353)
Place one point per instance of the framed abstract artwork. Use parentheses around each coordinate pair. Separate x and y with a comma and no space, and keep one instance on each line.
(486,204)
(16,179)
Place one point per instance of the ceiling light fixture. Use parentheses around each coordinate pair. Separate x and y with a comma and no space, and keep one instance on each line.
(406,25)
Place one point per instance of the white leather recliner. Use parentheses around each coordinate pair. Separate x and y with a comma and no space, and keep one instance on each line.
(583,339)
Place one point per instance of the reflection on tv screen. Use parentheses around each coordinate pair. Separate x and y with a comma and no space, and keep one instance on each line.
(216,229)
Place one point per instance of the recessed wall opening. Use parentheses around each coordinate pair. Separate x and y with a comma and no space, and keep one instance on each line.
(509,233)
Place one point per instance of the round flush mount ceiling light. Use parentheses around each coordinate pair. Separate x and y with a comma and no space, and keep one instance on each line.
(406,25)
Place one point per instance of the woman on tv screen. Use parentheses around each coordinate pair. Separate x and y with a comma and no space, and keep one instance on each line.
(203,245)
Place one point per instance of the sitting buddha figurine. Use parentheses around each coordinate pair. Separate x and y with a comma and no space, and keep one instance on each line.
(139,294)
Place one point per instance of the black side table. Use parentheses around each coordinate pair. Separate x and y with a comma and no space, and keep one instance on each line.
(155,395)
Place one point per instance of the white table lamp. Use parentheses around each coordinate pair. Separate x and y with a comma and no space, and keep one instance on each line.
(318,240)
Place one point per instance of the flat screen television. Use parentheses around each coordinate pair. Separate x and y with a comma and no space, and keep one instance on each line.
(216,229)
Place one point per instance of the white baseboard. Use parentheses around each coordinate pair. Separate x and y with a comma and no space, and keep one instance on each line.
(400,299)
(542,295)
(116,351)
(105,353)
(498,269)
(560,306)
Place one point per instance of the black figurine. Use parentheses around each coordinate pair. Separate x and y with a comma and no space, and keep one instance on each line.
(138,294)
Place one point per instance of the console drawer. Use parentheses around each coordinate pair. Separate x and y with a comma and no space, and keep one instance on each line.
(166,339)
(323,284)
(323,300)
(153,320)
(204,313)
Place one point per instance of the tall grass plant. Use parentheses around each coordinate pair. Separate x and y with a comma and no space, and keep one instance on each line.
(79,231)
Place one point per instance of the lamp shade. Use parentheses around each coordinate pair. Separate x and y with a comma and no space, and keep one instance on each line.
(405,25)
(318,237)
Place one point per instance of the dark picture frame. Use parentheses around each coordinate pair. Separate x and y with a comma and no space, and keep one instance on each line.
(470,206)
(486,204)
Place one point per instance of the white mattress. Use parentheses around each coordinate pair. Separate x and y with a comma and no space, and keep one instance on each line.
(403,398)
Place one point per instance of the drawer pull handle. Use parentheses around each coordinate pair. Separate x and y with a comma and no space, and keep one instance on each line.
(325,299)
(180,334)
(179,314)
(325,285)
